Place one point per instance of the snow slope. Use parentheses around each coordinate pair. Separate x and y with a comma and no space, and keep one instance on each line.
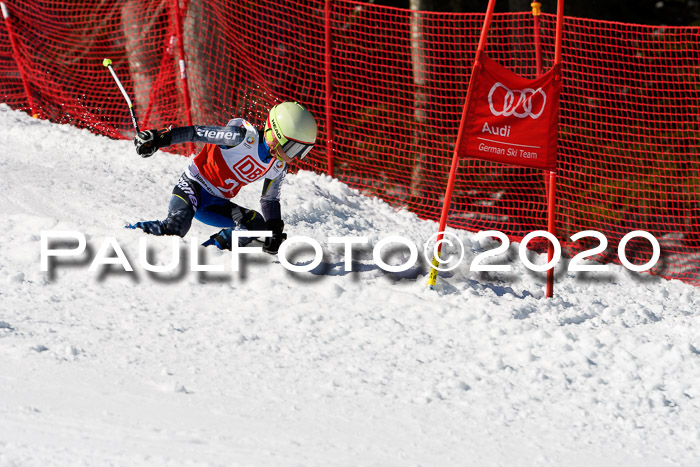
(269,367)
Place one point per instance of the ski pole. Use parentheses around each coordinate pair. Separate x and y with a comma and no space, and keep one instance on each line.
(108,63)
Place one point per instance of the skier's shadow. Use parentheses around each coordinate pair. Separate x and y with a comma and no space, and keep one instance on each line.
(357,268)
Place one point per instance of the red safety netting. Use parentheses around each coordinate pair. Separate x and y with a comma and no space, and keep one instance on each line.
(630,103)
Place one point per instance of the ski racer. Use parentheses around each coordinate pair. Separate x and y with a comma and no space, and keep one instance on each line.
(233,156)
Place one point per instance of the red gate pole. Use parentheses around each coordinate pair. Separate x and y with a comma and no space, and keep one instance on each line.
(536,12)
(551,228)
(329,88)
(549,179)
(551,202)
(432,278)
(15,55)
(183,65)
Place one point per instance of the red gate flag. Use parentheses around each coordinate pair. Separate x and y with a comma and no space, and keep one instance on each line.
(511,119)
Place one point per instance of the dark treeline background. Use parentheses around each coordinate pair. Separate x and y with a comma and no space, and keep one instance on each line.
(668,12)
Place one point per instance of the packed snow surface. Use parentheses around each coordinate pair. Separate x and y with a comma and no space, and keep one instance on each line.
(267,367)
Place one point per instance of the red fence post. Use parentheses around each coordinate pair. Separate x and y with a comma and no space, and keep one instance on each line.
(183,65)
(15,55)
(329,86)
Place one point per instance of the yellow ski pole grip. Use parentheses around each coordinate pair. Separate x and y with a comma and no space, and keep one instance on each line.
(432,277)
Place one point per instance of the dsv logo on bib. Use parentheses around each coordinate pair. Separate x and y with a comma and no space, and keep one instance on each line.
(503,102)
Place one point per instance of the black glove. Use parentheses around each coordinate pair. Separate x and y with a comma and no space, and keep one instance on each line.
(272,244)
(221,239)
(149,141)
(150,227)
(251,219)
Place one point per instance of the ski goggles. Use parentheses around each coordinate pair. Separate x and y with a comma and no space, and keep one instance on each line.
(292,148)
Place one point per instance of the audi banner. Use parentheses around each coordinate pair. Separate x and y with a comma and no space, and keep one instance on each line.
(511,119)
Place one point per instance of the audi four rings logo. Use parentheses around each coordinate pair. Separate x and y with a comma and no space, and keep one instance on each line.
(506,103)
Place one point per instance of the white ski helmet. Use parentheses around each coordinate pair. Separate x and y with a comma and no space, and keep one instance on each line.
(294,127)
